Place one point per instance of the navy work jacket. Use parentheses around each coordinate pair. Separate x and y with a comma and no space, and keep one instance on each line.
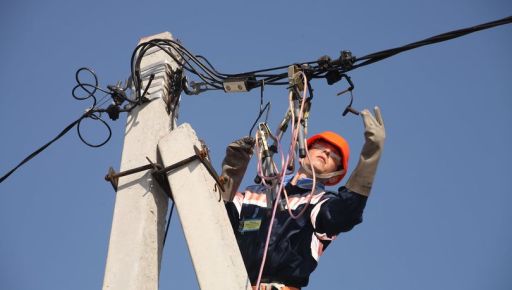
(295,244)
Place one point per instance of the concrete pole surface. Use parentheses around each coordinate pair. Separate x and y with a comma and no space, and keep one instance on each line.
(210,238)
(138,224)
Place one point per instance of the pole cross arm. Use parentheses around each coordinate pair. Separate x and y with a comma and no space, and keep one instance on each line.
(159,171)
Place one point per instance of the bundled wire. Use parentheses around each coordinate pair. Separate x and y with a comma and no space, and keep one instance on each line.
(93,113)
(198,65)
(324,67)
(295,133)
(212,79)
(282,173)
(378,56)
(35,153)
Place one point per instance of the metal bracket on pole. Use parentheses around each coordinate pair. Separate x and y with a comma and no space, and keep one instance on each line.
(159,172)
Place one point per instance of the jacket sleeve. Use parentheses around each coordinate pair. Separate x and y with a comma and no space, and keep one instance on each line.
(340,212)
(234,165)
(232,214)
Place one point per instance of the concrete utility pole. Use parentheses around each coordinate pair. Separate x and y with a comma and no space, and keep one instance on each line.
(138,224)
(210,238)
(135,247)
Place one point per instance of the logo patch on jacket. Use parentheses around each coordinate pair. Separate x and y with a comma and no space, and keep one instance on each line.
(249,225)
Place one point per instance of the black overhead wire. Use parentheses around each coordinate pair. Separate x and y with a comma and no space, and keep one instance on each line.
(316,71)
(97,117)
(168,223)
(33,154)
(202,68)
(378,56)
(181,56)
(93,113)
(261,110)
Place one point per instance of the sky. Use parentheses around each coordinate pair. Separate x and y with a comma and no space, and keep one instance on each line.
(439,214)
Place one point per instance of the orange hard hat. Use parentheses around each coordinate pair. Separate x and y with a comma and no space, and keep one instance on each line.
(338,142)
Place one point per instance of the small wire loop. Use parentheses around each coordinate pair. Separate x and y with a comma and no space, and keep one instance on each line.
(88,88)
(93,116)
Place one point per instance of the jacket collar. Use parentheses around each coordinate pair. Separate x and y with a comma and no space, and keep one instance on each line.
(305,183)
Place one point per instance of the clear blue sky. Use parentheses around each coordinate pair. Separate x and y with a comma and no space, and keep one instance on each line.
(439,216)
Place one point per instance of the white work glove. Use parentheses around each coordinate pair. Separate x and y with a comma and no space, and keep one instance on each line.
(361,179)
(234,165)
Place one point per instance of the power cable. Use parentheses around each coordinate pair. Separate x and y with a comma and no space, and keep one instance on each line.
(34,154)
(332,70)
(322,69)
(94,113)
(378,56)
(168,223)
(261,111)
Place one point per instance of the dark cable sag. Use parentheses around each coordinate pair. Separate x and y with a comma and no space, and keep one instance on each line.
(214,79)
(168,223)
(92,113)
(202,68)
(261,111)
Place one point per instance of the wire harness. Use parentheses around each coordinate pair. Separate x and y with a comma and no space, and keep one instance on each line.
(333,70)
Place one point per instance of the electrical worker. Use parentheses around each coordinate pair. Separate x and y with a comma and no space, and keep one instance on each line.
(296,244)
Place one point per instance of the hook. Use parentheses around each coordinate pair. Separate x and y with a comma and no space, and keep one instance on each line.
(348,108)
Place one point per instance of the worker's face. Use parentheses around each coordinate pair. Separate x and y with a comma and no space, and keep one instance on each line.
(324,157)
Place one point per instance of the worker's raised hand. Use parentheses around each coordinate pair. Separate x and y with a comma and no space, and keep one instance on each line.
(361,179)
(234,165)
(246,143)
(374,131)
